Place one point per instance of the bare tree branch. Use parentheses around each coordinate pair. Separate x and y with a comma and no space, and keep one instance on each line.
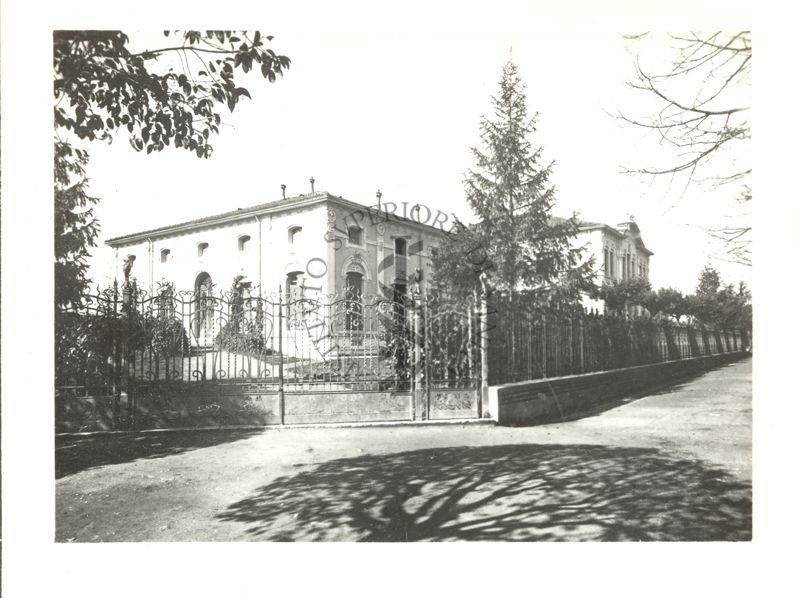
(699,110)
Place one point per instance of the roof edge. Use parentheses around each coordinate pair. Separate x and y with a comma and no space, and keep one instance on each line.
(257,210)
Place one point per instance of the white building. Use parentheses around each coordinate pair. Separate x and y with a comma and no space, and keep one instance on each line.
(619,252)
(325,244)
(315,241)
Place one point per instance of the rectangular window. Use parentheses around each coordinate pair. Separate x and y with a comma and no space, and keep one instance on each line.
(354,235)
(400,259)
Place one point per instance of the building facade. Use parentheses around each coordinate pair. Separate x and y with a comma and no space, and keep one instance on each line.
(311,245)
(318,244)
(619,252)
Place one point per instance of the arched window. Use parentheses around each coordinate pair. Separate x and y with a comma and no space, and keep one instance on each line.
(294,286)
(354,235)
(294,292)
(295,235)
(612,269)
(202,248)
(204,307)
(244,242)
(164,255)
(354,286)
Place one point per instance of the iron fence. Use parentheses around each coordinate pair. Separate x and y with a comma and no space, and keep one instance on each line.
(530,344)
(441,355)
(138,343)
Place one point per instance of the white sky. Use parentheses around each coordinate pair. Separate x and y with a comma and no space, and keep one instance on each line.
(399,111)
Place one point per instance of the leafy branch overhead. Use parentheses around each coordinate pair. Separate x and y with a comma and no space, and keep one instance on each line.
(164,96)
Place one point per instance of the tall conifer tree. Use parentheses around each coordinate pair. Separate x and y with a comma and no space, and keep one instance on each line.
(516,240)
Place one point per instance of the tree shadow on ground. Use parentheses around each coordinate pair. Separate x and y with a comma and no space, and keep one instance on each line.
(509,492)
(74,454)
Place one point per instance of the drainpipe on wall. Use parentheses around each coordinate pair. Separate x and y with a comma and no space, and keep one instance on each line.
(150,273)
(271,241)
(258,221)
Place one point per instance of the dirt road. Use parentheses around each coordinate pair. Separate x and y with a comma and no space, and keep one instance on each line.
(672,466)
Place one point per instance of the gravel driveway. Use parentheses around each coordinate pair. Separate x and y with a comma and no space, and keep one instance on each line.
(672,466)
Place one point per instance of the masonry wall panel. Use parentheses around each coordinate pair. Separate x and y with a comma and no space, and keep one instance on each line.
(558,399)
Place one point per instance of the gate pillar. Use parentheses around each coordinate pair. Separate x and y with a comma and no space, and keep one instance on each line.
(483,338)
(419,390)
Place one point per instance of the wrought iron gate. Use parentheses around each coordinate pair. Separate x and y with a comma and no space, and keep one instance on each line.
(175,358)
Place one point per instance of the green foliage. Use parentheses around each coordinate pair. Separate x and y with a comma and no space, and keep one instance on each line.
(75,228)
(102,87)
(459,261)
(84,342)
(242,337)
(516,243)
(166,333)
(396,345)
(87,336)
(666,302)
(168,336)
(618,294)
(243,333)
(709,283)
(719,305)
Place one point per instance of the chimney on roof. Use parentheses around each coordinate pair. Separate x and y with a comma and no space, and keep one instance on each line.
(311,180)
(283,190)
(379,195)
